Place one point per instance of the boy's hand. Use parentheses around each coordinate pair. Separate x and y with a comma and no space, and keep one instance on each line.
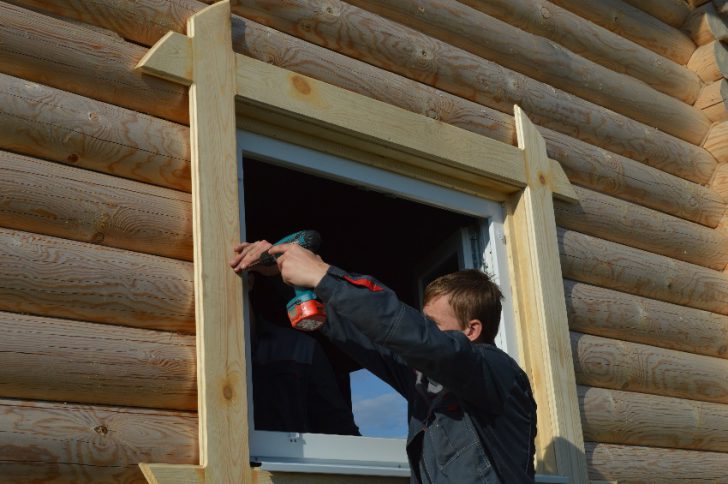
(298,266)
(248,253)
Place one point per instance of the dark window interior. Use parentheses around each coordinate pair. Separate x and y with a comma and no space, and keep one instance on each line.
(362,230)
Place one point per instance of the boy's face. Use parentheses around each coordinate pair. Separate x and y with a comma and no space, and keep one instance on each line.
(439,310)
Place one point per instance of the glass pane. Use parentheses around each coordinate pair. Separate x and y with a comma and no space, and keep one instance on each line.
(379,411)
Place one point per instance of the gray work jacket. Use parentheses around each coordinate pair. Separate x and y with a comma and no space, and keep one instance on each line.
(472,417)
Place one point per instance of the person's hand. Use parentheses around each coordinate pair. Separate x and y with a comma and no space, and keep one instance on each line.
(247,253)
(298,266)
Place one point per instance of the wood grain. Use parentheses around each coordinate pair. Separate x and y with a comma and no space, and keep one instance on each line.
(49,123)
(634,24)
(596,261)
(710,61)
(705,25)
(717,142)
(594,43)
(631,464)
(61,442)
(538,58)
(713,100)
(67,56)
(719,183)
(672,12)
(612,314)
(616,417)
(73,361)
(635,226)
(265,477)
(619,365)
(71,203)
(48,276)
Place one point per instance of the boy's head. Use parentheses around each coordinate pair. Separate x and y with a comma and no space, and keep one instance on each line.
(467,301)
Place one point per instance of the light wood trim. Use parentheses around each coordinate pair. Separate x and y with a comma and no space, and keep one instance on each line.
(541,312)
(221,374)
(617,417)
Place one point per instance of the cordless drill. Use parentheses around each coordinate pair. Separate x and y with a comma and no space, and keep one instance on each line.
(305,311)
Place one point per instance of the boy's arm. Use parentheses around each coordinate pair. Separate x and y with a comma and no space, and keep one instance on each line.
(448,357)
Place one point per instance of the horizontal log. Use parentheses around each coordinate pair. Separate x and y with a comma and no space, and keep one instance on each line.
(70,57)
(710,61)
(619,365)
(596,261)
(71,203)
(539,58)
(705,25)
(74,361)
(672,12)
(717,142)
(612,314)
(634,24)
(49,123)
(586,164)
(713,101)
(594,43)
(635,226)
(58,442)
(626,463)
(616,417)
(47,276)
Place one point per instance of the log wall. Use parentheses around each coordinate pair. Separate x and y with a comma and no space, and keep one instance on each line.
(95,245)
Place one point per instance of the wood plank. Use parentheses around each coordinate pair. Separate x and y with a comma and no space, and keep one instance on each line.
(705,25)
(616,417)
(713,100)
(710,61)
(634,24)
(48,123)
(54,277)
(62,442)
(612,314)
(538,58)
(74,361)
(595,261)
(71,203)
(619,365)
(672,12)
(541,312)
(265,477)
(594,43)
(626,463)
(80,60)
(717,142)
(635,226)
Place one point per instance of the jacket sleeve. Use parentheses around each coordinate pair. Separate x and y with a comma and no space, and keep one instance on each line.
(479,375)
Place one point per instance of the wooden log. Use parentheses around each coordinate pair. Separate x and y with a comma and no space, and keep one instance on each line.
(60,442)
(634,24)
(49,123)
(627,463)
(713,99)
(705,25)
(672,12)
(619,365)
(538,58)
(710,61)
(71,203)
(594,43)
(612,314)
(54,277)
(72,58)
(348,29)
(717,142)
(616,417)
(73,361)
(634,271)
(719,183)
(635,226)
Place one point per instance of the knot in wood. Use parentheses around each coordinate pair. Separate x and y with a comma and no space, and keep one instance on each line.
(301,85)
(542,178)
(101,429)
(545,13)
(227,392)
(72,158)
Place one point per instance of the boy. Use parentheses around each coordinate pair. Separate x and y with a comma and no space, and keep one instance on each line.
(472,417)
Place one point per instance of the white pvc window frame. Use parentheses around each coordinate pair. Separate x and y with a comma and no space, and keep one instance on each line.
(337,454)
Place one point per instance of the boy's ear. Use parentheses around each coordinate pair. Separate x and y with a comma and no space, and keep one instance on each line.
(473,329)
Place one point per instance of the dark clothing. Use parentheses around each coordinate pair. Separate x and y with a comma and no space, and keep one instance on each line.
(472,417)
(295,389)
